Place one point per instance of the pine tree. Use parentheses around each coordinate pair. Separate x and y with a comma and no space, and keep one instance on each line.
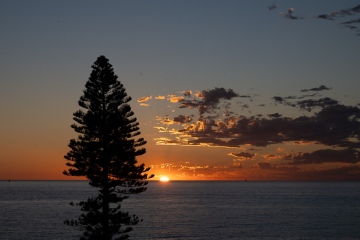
(105,153)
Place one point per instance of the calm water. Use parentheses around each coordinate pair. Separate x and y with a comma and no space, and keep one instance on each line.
(192,210)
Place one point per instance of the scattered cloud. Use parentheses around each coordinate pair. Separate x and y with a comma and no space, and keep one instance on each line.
(175,98)
(216,122)
(144,99)
(160,97)
(347,155)
(275,115)
(289,14)
(165,120)
(205,101)
(187,93)
(333,16)
(263,165)
(310,103)
(242,155)
(325,16)
(318,89)
(183,119)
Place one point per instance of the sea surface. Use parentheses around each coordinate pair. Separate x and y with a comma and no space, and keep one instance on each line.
(192,210)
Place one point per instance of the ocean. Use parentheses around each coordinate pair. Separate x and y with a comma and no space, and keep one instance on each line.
(35,210)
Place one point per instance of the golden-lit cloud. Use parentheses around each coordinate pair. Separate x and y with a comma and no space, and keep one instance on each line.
(175,99)
(187,93)
(242,155)
(271,156)
(144,99)
(165,120)
(160,97)
(215,121)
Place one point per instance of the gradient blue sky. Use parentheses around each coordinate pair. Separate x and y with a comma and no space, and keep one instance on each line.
(162,48)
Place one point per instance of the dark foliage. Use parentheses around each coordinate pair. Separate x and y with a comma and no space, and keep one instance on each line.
(105,153)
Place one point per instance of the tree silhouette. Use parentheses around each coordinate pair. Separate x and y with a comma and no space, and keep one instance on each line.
(105,153)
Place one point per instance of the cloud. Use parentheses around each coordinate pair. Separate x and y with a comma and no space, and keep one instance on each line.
(208,99)
(332,126)
(331,130)
(318,89)
(272,6)
(352,21)
(263,165)
(275,115)
(211,98)
(160,97)
(283,100)
(237,164)
(245,96)
(289,14)
(144,99)
(214,95)
(183,119)
(307,104)
(324,16)
(165,120)
(144,104)
(187,93)
(242,155)
(327,155)
(311,103)
(175,99)
(342,13)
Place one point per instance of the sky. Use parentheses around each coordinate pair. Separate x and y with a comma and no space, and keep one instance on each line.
(223,90)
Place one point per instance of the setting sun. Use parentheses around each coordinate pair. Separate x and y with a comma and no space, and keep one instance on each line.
(164,179)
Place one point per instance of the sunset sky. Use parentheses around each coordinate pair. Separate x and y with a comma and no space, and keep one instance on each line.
(223,90)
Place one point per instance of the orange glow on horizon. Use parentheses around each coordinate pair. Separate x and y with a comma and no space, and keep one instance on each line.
(164,179)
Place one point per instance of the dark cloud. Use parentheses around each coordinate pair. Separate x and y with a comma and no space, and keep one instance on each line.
(283,100)
(332,126)
(272,6)
(244,106)
(278,99)
(325,16)
(351,27)
(352,21)
(307,104)
(321,88)
(183,119)
(275,115)
(193,103)
(356,9)
(245,96)
(326,156)
(311,103)
(333,16)
(214,95)
(210,99)
(263,165)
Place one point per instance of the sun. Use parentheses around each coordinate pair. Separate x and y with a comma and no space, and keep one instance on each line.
(164,179)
